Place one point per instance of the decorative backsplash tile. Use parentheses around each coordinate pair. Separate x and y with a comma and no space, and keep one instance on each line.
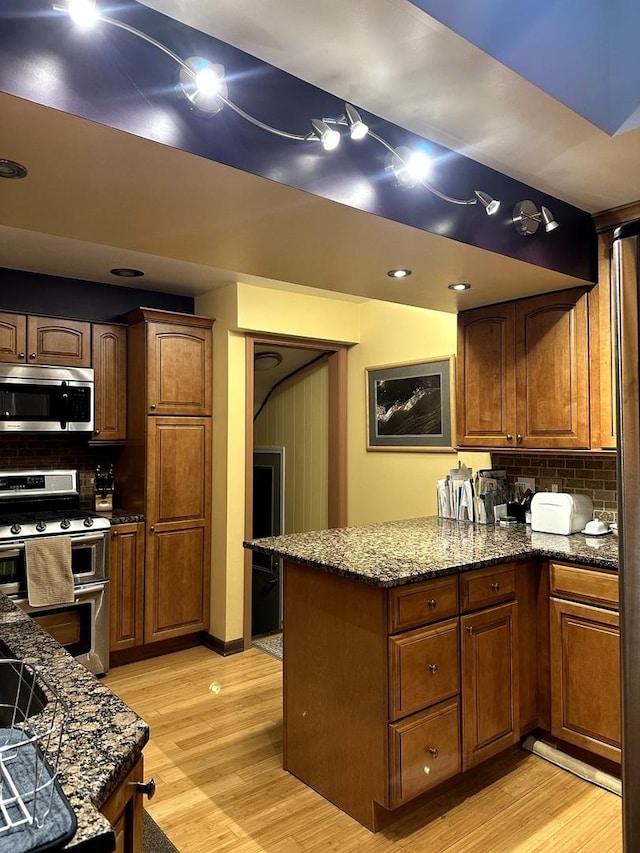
(584,474)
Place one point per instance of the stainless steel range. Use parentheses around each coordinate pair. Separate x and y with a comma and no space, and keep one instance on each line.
(42,504)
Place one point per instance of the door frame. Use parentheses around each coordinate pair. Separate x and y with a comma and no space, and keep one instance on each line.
(337,436)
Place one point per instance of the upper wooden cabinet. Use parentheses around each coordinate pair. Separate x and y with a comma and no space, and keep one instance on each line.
(109,359)
(171,355)
(523,377)
(44,340)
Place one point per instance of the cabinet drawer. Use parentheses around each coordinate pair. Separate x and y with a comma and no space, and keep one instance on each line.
(587,585)
(423,603)
(424,667)
(425,750)
(485,587)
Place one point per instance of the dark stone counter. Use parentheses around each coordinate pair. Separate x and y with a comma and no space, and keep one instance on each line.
(399,552)
(102,737)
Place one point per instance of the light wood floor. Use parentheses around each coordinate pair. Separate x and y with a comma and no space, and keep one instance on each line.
(217,762)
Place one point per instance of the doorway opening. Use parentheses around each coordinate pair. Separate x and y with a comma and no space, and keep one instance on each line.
(295,457)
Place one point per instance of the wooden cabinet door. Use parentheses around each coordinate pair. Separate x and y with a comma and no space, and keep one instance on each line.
(486,377)
(59,342)
(490,690)
(126,571)
(585,677)
(124,811)
(109,359)
(178,526)
(13,338)
(603,363)
(552,379)
(179,369)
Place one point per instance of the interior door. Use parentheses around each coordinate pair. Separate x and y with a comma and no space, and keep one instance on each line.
(268,520)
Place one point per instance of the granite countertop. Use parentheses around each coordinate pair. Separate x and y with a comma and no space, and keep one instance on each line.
(398,552)
(123,516)
(102,737)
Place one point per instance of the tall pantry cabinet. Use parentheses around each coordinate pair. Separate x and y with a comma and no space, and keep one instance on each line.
(165,469)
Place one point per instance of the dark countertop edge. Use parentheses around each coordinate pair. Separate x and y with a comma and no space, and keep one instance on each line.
(121,516)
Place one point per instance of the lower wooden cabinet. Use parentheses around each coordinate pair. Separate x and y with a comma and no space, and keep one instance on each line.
(124,812)
(424,751)
(126,572)
(489,677)
(585,677)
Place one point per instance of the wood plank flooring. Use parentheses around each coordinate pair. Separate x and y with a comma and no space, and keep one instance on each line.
(217,761)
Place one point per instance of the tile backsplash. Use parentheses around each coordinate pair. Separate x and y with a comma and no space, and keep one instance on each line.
(585,474)
(50,451)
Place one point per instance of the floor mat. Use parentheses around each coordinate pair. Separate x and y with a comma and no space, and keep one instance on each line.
(271,645)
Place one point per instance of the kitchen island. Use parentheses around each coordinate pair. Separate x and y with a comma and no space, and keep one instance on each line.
(415,650)
(102,738)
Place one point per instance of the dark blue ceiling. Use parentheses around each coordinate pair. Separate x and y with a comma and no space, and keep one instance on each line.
(109,76)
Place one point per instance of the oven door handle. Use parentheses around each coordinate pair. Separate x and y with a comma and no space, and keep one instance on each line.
(85,538)
(11,550)
(79,592)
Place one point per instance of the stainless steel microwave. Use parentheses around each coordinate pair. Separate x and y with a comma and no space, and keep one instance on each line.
(46,399)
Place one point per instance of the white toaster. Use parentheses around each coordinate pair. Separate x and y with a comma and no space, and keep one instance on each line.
(559,512)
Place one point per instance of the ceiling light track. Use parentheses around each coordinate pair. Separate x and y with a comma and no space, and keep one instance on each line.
(202,83)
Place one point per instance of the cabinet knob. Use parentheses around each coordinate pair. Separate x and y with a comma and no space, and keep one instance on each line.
(431,602)
(33,355)
(495,587)
(148,788)
(152,529)
(469,629)
(433,667)
(22,355)
(97,432)
(509,437)
(433,750)
(518,438)
(152,406)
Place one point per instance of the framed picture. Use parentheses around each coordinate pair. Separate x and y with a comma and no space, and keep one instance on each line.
(410,406)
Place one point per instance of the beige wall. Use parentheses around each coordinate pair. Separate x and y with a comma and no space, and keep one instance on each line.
(380,485)
(296,417)
(386,485)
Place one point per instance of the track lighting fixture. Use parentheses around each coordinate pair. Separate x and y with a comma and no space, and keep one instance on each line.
(202,83)
(527,218)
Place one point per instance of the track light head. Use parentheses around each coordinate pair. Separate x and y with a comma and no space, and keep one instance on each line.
(202,84)
(329,137)
(527,218)
(357,128)
(83,12)
(490,205)
(548,220)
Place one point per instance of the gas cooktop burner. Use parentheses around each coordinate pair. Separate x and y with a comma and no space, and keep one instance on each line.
(36,503)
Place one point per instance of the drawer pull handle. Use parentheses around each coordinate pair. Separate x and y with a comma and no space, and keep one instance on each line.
(433,667)
(433,751)
(495,587)
(431,602)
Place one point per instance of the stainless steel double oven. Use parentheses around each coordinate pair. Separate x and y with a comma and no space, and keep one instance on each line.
(46,503)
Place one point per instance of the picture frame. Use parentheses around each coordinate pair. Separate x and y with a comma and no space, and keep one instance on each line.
(410,406)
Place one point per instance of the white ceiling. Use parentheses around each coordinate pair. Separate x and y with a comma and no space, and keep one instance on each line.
(98,198)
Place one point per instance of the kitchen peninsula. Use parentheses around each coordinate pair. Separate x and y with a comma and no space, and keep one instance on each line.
(415,650)
(102,738)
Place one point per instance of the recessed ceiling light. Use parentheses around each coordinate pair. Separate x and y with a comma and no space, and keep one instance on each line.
(459,285)
(399,273)
(126,272)
(11,169)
